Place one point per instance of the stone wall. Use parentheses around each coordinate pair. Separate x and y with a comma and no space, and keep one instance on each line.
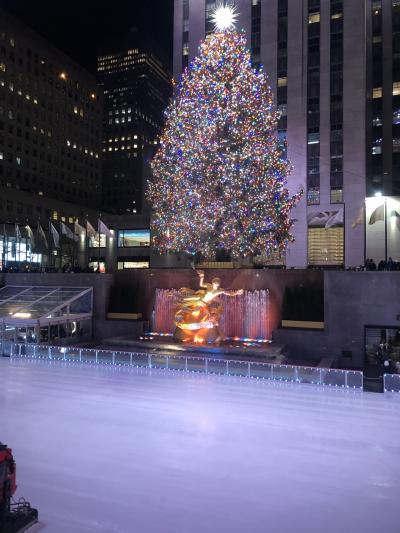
(353,300)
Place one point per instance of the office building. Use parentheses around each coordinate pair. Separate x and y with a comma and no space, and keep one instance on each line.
(334,67)
(137,87)
(50,129)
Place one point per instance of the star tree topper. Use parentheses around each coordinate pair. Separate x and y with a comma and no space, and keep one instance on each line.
(224,18)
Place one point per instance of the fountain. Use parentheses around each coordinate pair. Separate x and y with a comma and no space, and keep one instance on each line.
(246,316)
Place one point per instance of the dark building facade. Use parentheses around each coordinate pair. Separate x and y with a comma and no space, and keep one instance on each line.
(50,130)
(334,66)
(137,87)
(383,90)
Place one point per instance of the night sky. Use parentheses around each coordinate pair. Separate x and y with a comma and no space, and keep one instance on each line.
(79,27)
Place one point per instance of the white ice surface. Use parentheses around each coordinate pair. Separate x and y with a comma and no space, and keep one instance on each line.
(123,450)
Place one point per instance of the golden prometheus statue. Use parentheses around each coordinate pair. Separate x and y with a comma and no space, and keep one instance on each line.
(198,312)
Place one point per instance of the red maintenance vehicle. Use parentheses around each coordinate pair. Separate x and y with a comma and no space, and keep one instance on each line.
(14,517)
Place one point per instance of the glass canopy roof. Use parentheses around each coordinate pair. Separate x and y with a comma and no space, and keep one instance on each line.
(44,305)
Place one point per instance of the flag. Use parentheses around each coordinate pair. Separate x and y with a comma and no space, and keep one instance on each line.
(67,232)
(55,235)
(378,214)
(336,219)
(42,235)
(318,219)
(18,235)
(103,229)
(78,229)
(30,235)
(91,232)
(359,219)
(397,215)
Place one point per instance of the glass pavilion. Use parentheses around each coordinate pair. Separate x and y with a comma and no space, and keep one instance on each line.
(45,314)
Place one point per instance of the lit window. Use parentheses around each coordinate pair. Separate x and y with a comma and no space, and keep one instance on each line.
(55,215)
(313,138)
(133,238)
(282,82)
(325,246)
(75,110)
(314,17)
(377,92)
(19,161)
(336,16)
(336,195)
(122,265)
(2,67)
(1,155)
(396,88)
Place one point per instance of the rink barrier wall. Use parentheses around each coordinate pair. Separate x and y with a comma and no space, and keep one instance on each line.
(391,382)
(350,379)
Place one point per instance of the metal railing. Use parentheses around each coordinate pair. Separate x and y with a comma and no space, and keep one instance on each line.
(391,382)
(189,363)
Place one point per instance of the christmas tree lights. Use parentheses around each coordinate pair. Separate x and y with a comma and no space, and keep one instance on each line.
(220,174)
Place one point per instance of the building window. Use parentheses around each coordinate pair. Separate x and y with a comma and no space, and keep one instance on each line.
(99,241)
(256,33)
(125,265)
(336,195)
(313,105)
(396,88)
(377,92)
(313,18)
(133,238)
(313,196)
(326,246)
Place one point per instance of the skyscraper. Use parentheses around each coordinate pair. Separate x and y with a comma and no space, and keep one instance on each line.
(50,129)
(333,67)
(137,87)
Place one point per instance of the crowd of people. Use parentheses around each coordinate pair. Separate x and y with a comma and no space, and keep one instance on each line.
(37,269)
(382,265)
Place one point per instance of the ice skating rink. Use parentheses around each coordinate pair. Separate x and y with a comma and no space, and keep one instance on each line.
(103,449)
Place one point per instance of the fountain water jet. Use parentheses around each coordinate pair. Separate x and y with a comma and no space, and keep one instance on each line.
(246,316)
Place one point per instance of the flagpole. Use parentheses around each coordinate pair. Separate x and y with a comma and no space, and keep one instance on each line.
(86,249)
(50,245)
(61,250)
(5,259)
(98,257)
(386,232)
(3,263)
(37,242)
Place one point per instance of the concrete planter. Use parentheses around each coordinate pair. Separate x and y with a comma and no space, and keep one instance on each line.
(124,316)
(302,324)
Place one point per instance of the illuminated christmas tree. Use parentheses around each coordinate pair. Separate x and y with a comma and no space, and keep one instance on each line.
(220,175)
